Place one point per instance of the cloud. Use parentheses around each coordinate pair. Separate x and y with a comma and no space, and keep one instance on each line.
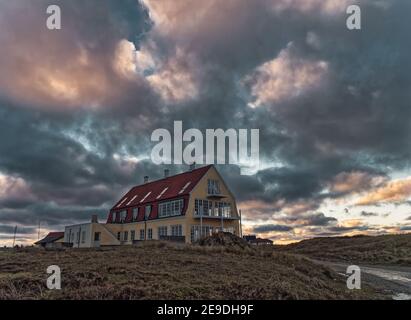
(285,77)
(272,228)
(175,81)
(308,219)
(348,182)
(368,214)
(394,191)
(77,106)
(65,68)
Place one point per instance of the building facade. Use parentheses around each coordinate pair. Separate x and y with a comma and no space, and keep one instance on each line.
(183,207)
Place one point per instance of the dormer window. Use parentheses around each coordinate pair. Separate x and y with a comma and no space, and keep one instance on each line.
(213,187)
(147,212)
(135,214)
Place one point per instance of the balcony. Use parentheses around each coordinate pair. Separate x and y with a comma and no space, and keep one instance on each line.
(215,215)
(214,196)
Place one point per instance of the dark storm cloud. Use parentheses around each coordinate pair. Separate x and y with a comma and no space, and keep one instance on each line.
(309,219)
(342,229)
(20,230)
(272,227)
(356,121)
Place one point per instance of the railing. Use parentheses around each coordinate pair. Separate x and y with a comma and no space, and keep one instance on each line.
(214,215)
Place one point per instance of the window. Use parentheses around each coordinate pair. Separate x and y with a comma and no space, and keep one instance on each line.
(83,237)
(132,235)
(162,231)
(142,234)
(97,236)
(132,199)
(203,207)
(196,234)
(185,187)
(135,213)
(213,187)
(147,212)
(162,192)
(145,197)
(177,230)
(150,234)
(123,215)
(171,208)
(119,236)
(78,236)
(125,236)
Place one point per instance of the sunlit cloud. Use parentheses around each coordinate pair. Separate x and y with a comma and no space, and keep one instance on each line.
(285,77)
(394,191)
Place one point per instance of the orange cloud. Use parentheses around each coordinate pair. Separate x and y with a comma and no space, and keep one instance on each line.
(394,191)
(346,182)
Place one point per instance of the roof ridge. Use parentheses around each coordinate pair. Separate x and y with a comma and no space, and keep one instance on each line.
(178,174)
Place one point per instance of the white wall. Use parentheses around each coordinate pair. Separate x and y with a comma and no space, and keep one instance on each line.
(72,232)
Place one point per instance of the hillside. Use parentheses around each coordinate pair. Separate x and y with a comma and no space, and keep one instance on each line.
(382,250)
(159,270)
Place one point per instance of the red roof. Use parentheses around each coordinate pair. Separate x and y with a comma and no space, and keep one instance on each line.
(51,237)
(179,185)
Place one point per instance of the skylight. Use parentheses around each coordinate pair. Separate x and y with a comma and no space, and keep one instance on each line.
(185,187)
(145,197)
(134,198)
(122,201)
(162,192)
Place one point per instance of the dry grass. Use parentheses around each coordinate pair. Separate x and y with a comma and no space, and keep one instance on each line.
(382,250)
(159,270)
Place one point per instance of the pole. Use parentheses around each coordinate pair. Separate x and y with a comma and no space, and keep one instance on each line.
(79,236)
(201,222)
(241,226)
(38,235)
(14,238)
(220,208)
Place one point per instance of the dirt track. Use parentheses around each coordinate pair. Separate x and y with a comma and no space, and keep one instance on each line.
(395,281)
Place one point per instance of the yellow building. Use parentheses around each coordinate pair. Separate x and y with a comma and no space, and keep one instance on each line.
(183,207)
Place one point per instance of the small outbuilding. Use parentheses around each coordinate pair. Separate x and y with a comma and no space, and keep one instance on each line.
(52,240)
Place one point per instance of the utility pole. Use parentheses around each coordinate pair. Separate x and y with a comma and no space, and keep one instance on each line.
(14,238)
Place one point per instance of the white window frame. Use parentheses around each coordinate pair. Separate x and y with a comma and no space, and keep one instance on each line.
(171,208)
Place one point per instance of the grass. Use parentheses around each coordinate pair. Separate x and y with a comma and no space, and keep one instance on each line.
(372,250)
(158,270)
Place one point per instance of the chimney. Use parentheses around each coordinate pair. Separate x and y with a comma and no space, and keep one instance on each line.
(94,218)
(145,179)
(166,173)
(192,166)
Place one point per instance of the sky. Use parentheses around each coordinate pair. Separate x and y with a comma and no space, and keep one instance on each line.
(78,106)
